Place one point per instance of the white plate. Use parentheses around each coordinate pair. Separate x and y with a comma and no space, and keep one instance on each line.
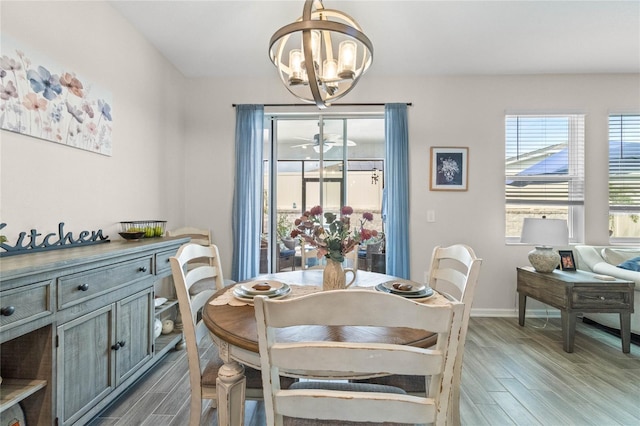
(274,286)
(159,301)
(238,294)
(423,294)
(422,299)
(397,286)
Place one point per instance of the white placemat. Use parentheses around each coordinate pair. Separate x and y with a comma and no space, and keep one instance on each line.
(227,297)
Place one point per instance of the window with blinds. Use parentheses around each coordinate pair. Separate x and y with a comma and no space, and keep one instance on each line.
(544,170)
(624,176)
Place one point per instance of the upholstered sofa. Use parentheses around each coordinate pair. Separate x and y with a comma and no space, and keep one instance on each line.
(604,260)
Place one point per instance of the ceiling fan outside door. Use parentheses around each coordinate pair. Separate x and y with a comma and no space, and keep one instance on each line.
(330,140)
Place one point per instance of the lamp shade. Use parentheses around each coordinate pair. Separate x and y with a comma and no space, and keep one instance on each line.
(545,232)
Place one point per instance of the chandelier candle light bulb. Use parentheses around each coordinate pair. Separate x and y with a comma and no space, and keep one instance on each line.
(295,63)
(315,47)
(330,68)
(346,57)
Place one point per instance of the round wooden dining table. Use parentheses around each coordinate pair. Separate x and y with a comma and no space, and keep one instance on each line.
(233,329)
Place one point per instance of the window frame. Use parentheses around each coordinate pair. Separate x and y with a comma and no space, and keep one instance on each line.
(575,175)
(634,127)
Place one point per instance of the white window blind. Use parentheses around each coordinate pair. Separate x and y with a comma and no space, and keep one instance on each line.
(544,160)
(624,163)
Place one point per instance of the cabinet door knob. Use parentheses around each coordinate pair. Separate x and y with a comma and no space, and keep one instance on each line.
(8,311)
(142,269)
(83,287)
(116,346)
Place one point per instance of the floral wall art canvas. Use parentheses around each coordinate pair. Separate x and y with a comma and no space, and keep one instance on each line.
(41,99)
(449,168)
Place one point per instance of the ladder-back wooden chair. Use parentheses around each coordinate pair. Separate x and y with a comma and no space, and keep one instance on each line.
(309,257)
(454,271)
(200,236)
(322,402)
(351,259)
(202,373)
(367,257)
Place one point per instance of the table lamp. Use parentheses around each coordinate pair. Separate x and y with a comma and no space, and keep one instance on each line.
(544,233)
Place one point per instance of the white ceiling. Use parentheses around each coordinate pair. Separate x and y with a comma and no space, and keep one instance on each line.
(227,38)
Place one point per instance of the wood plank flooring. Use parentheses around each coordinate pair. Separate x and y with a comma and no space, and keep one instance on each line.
(512,376)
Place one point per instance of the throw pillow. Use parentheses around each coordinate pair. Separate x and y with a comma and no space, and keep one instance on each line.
(287,253)
(616,256)
(631,264)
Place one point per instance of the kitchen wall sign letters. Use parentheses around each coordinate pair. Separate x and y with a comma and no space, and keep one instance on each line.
(29,242)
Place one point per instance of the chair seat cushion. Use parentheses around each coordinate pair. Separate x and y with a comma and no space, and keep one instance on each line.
(203,285)
(289,421)
(340,386)
(287,253)
(347,386)
(410,384)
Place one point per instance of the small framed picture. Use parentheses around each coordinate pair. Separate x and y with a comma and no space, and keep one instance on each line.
(566,260)
(449,168)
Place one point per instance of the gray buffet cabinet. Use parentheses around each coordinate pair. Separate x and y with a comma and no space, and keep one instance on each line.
(76,326)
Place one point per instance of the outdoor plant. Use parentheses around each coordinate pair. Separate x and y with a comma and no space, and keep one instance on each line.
(283,226)
(334,238)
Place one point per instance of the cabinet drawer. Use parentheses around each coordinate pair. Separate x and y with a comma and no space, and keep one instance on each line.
(24,304)
(76,288)
(601,299)
(163,266)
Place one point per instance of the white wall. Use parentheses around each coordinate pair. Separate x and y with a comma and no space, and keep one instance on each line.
(446,111)
(44,183)
(168,131)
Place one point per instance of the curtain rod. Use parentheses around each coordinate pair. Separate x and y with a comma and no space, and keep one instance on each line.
(299,105)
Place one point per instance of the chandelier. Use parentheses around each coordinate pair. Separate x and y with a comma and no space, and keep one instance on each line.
(304,53)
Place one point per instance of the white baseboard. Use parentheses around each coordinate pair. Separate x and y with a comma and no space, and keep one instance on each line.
(510,313)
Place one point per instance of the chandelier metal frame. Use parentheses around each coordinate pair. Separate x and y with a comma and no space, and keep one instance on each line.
(311,85)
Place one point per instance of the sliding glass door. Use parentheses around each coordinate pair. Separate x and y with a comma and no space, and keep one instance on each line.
(319,159)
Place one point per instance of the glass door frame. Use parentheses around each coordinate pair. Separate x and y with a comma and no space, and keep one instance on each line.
(272,119)
(320,181)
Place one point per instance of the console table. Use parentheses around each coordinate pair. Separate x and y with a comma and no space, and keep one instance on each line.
(576,292)
(76,326)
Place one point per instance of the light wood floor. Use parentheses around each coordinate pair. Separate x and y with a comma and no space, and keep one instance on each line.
(512,376)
